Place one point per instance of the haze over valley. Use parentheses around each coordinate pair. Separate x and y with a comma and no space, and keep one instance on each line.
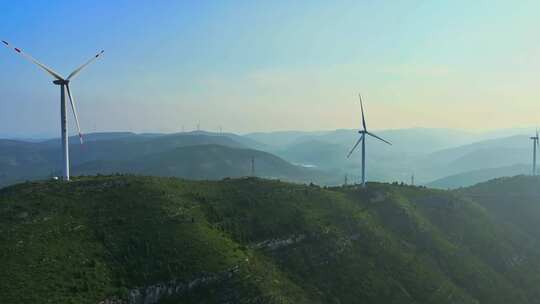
(441,158)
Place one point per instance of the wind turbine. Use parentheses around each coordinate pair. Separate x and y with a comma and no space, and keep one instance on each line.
(64,86)
(363,136)
(535,144)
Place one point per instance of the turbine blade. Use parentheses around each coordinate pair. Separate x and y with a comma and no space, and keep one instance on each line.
(77,70)
(362,108)
(355,145)
(377,137)
(28,57)
(74,110)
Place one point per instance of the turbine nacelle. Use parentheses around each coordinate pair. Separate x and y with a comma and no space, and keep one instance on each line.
(61,82)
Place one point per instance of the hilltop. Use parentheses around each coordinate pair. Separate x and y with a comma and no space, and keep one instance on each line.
(474,177)
(166,240)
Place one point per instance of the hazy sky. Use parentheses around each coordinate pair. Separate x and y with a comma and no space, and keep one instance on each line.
(254,66)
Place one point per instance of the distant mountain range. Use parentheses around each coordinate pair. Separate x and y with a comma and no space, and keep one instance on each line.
(204,162)
(437,157)
(196,155)
(429,154)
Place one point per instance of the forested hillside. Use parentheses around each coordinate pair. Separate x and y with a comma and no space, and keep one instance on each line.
(165,240)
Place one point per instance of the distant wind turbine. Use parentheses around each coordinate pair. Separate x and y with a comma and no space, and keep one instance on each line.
(363,135)
(535,145)
(64,86)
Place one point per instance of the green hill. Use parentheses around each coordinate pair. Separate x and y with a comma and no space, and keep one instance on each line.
(513,201)
(112,152)
(165,240)
(473,177)
(205,162)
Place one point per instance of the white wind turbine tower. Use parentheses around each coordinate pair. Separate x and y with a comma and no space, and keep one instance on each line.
(64,86)
(363,136)
(535,145)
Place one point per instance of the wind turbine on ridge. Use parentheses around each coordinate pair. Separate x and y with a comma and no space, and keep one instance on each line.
(535,145)
(363,136)
(63,82)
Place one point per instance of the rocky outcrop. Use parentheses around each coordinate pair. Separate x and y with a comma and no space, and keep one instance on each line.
(273,244)
(152,294)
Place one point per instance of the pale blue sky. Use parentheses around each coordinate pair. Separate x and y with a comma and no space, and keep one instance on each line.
(254,66)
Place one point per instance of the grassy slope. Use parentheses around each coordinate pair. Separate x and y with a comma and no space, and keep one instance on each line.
(96,237)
